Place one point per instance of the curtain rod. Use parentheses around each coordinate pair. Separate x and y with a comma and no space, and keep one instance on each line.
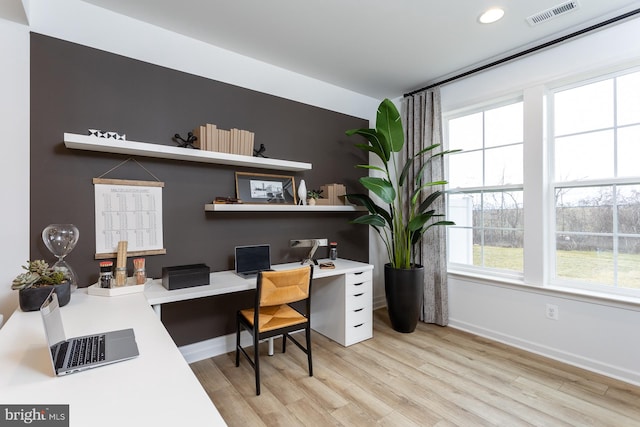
(528,51)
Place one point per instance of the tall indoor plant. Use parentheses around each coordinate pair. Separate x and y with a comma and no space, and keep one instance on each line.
(404,218)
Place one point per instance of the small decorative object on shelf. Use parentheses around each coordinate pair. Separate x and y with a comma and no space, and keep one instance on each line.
(36,283)
(186,143)
(302,193)
(260,151)
(226,200)
(313,196)
(107,134)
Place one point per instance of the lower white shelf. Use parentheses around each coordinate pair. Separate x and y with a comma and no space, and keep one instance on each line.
(246,207)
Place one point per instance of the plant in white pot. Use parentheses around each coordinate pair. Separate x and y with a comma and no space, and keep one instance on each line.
(400,229)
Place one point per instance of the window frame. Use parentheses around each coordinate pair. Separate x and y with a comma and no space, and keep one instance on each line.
(503,101)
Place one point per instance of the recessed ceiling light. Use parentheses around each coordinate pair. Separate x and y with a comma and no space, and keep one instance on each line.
(491,15)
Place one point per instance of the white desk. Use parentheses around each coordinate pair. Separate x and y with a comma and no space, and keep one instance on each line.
(341,302)
(156,388)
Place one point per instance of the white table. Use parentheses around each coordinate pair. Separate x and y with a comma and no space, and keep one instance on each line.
(341,302)
(156,388)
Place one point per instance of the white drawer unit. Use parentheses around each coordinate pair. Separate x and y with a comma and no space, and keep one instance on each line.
(347,319)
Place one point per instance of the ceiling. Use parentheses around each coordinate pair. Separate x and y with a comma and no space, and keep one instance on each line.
(373,47)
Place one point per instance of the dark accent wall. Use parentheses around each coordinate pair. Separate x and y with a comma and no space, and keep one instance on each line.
(74,88)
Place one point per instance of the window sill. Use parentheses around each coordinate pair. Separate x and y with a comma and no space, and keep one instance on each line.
(617,301)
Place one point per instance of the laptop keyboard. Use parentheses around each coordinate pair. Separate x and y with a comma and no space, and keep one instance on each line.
(87,350)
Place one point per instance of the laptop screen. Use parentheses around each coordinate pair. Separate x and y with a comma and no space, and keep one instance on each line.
(252,259)
(50,312)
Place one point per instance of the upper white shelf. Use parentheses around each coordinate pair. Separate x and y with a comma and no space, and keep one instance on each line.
(247,207)
(134,148)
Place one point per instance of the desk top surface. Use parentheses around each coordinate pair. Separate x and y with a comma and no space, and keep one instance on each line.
(158,387)
(223,282)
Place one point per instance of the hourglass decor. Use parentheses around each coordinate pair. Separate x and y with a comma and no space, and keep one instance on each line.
(60,239)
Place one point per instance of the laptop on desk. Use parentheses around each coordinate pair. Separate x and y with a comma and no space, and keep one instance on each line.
(81,353)
(252,259)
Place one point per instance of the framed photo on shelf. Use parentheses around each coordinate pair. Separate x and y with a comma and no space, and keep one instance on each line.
(265,188)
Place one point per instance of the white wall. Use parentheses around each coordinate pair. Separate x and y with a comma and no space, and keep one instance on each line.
(14,163)
(593,333)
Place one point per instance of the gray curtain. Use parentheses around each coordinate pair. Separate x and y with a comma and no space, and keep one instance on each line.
(422,117)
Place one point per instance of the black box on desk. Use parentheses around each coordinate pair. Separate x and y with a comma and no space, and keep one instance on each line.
(185,276)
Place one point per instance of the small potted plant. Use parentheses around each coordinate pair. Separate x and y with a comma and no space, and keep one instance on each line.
(312,196)
(36,283)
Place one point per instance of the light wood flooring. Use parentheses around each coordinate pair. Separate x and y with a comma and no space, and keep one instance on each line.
(433,377)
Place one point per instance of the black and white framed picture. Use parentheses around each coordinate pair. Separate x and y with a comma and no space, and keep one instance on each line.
(265,188)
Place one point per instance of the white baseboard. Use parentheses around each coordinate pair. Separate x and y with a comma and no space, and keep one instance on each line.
(552,353)
(213,347)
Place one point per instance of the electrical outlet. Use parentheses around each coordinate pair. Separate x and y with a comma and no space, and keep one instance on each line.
(552,312)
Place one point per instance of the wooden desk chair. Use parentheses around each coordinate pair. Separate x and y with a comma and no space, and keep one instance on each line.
(272,315)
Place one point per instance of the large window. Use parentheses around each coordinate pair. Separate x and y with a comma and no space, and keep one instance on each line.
(595,137)
(485,180)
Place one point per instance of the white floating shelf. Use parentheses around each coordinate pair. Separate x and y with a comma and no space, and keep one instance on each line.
(134,148)
(246,207)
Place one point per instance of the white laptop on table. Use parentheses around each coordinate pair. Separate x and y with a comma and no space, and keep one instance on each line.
(81,353)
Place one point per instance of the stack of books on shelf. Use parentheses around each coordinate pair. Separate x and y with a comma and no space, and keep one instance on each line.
(234,141)
(333,194)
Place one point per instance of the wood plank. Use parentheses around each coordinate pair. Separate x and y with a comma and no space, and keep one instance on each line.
(436,376)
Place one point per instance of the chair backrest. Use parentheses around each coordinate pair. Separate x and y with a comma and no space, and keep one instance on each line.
(285,286)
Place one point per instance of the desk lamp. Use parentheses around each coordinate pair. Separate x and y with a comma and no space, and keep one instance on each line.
(309,243)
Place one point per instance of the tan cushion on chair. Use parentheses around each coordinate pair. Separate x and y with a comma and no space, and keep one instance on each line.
(281,287)
(274,317)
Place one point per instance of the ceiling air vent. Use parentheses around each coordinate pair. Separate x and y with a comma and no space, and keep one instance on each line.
(553,12)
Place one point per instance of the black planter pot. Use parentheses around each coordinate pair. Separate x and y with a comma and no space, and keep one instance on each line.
(32,298)
(404,289)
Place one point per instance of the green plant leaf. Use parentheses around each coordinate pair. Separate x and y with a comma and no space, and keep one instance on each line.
(379,145)
(380,187)
(429,200)
(389,124)
(405,172)
(371,167)
(364,199)
(373,220)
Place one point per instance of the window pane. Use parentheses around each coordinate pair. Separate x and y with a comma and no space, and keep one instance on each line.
(587,209)
(465,169)
(460,245)
(584,108)
(504,125)
(591,261)
(628,200)
(503,249)
(460,209)
(503,209)
(466,132)
(628,261)
(587,156)
(628,99)
(503,165)
(629,151)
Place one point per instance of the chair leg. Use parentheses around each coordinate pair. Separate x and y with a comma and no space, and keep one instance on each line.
(284,343)
(309,351)
(237,341)
(256,361)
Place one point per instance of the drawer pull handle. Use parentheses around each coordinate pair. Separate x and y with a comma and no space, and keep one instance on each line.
(358,284)
(360,309)
(359,272)
(359,295)
(357,326)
